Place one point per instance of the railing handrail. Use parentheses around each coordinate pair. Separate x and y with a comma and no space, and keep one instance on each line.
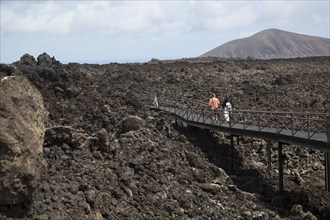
(311,122)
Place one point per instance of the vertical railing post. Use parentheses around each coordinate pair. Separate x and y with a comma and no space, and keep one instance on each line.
(308,126)
(291,124)
(243,120)
(206,115)
(328,128)
(232,151)
(277,123)
(229,115)
(258,114)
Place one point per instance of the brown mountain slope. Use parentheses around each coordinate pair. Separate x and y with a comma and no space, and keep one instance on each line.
(273,43)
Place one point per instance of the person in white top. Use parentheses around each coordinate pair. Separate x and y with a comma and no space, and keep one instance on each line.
(227,108)
(155,102)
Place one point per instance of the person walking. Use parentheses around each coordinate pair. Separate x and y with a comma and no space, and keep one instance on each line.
(227,108)
(214,104)
(155,102)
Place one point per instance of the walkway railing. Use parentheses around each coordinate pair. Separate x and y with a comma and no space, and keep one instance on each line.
(308,125)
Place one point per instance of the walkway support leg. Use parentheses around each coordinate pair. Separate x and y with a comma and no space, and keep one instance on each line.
(327,170)
(327,158)
(280,167)
(232,151)
(269,155)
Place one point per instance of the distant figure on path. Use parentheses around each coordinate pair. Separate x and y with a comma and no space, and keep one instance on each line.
(227,108)
(214,104)
(155,102)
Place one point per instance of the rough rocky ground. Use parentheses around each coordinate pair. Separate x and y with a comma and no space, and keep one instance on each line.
(95,169)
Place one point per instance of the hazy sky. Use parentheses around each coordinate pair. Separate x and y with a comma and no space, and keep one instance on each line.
(137,31)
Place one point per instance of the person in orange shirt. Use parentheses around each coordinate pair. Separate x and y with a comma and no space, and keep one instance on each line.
(214,104)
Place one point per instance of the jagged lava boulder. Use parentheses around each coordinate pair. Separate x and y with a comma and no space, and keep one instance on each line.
(22,117)
(132,123)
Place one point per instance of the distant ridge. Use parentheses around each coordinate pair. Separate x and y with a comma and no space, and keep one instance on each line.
(273,43)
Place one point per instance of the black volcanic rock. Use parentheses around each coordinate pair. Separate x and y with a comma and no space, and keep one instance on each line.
(132,123)
(94,170)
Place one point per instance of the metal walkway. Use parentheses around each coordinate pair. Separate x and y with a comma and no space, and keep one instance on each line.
(307,129)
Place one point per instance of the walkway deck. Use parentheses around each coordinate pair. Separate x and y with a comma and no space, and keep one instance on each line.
(315,139)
